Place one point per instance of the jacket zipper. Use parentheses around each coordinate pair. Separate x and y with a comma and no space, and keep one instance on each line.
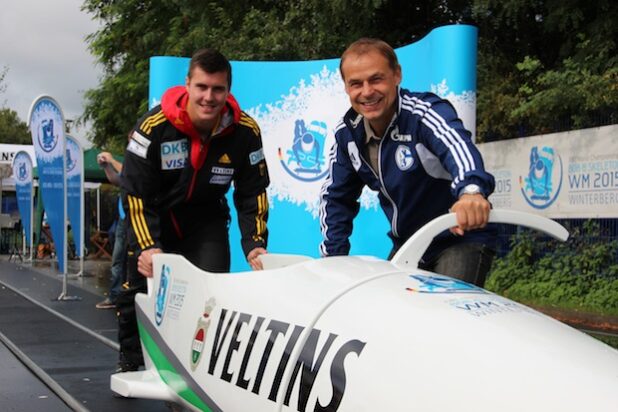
(192,185)
(395,211)
(176,225)
(382,185)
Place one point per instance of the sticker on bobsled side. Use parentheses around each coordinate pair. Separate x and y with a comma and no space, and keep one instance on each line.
(252,339)
(161,300)
(201,330)
(442,284)
(176,298)
(479,307)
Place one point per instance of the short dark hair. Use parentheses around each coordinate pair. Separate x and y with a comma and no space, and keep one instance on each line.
(367,44)
(211,61)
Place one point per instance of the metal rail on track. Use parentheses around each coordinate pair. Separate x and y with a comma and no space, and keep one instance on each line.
(69,400)
(101,338)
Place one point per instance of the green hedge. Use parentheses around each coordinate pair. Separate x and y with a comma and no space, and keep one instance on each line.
(580,274)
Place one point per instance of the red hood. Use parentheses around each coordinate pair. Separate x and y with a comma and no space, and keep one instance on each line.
(174,106)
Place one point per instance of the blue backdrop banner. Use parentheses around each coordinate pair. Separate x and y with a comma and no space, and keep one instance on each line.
(46,123)
(22,173)
(282,95)
(75,192)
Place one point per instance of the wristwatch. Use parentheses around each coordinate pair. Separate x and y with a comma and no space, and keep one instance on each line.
(470,189)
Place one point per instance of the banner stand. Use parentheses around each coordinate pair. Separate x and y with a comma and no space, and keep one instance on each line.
(64,296)
(46,122)
(24,184)
(30,236)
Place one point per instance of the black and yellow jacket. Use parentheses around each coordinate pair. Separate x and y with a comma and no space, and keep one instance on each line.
(173,182)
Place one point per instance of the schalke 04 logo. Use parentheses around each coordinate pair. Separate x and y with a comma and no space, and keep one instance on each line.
(544,181)
(305,159)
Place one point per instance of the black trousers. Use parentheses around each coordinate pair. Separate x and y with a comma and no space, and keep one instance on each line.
(208,249)
(470,262)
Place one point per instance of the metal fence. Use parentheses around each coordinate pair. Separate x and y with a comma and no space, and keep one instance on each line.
(10,240)
(607,232)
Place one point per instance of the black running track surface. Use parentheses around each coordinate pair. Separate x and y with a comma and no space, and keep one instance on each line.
(21,388)
(77,361)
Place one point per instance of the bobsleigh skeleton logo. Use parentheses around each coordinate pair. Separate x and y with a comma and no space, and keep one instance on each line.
(70,161)
(442,284)
(22,172)
(544,174)
(306,154)
(46,136)
(161,299)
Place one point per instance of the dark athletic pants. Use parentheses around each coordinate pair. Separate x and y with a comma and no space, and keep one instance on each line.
(469,262)
(208,249)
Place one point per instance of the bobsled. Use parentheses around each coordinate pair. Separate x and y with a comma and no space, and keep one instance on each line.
(358,333)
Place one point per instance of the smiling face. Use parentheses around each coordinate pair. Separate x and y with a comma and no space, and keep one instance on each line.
(207,95)
(371,85)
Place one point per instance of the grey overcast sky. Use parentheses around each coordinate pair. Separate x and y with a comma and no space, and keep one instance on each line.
(43,45)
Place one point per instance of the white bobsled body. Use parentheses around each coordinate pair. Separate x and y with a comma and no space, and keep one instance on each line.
(356,334)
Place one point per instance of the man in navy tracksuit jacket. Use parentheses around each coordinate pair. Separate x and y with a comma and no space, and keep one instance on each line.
(413,150)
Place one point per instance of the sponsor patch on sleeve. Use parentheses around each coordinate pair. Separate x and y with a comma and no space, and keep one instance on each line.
(141,140)
(137,149)
(256,157)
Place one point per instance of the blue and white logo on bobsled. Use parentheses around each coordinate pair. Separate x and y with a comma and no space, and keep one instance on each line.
(305,159)
(544,181)
(442,284)
(160,302)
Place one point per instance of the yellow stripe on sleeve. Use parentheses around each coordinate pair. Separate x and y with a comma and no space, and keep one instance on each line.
(260,222)
(138,222)
(249,122)
(148,128)
(151,119)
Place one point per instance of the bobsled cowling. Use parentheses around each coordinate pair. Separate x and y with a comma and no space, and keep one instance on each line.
(359,334)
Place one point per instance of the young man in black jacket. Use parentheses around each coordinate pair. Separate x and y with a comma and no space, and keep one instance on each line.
(181,159)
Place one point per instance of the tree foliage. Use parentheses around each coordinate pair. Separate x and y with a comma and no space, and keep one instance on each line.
(539,60)
(543,63)
(3,84)
(581,274)
(134,30)
(12,129)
